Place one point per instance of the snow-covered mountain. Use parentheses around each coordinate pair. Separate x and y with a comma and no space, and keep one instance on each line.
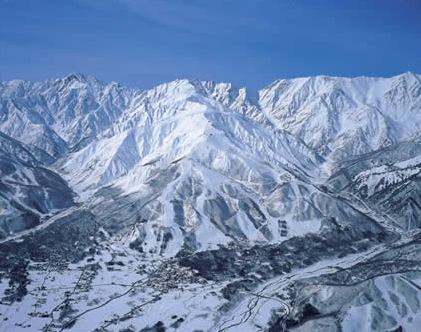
(28,191)
(344,117)
(209,183)
(57,115)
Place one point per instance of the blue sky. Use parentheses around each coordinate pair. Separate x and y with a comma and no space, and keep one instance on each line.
(248,42)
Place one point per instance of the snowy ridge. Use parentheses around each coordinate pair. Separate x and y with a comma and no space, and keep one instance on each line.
(344,117)
(56,115)
(381,177)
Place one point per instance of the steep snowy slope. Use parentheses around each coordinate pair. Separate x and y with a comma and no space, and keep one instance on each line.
(27,191)
(387,179)
(171,122)
(57,115)
(345,117)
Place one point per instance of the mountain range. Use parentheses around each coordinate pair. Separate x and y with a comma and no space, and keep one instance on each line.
(200,206)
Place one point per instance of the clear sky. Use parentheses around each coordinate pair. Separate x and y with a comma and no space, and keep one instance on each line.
(248,42)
